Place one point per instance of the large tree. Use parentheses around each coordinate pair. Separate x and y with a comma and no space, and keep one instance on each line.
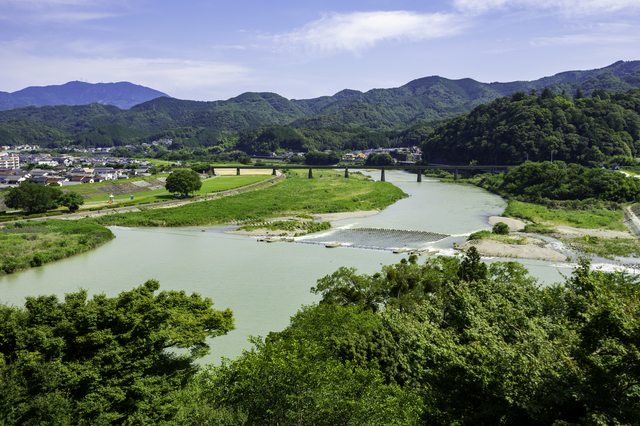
(183,181)
(32,197)
(105,360)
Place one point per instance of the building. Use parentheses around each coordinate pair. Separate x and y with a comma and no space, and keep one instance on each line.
(9,161)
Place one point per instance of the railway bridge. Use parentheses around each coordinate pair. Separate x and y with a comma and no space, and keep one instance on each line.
(419,169)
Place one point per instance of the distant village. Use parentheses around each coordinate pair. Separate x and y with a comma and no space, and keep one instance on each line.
(60,169)
(98,165)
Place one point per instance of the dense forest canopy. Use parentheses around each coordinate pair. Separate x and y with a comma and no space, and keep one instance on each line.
(542,127)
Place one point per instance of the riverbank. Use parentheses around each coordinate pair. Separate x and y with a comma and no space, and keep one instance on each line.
(601,242)
(28,244)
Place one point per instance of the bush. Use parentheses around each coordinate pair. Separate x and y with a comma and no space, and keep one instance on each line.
(479,235)
(500,228)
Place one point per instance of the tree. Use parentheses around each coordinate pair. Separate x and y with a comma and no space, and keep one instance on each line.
(183,181)
(32,197)
(500,228)
(102,360)
(71,200)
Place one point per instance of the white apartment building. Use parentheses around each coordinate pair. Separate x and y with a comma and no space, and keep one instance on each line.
(9,161)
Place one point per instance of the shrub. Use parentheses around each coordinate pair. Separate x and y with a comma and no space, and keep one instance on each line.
(479,235)
(500,228)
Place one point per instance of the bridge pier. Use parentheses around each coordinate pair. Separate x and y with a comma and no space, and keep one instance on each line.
(382,176)
(455,174)
(310,174)
(213,171)
(238,171)
(346,172)
(274,172)
(419,175)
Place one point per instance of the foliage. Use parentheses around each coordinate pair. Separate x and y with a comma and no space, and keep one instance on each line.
(379,160)
(71,200)
(541,182)
(103,360)
(321,158)
(297,227)
(32,197)
(500,228)
(511,130)
(183,181)
(492,350)
(328,192)
(28,244)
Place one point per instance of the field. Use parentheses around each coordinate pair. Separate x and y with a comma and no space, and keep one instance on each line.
(27,244)
(123,192)
(328,192)
(590,219)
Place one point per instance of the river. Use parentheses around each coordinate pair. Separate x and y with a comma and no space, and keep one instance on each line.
(264,284)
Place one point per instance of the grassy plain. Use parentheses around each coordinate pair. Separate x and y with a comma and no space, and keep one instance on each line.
(589,219)
(327,192)
(27,244)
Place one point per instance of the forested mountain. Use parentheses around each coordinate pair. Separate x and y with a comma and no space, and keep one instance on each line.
(386,112)
(123,95)
(513,129)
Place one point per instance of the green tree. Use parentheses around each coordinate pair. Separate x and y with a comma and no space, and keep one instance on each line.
(102,360)
(71,200)
(183,181)
(500,228)
(32,197)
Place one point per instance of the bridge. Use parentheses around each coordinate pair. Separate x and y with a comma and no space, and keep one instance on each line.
(419,169)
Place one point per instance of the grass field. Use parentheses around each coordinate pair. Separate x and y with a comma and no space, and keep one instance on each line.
(27,244)
(218,184)
(590,219)
(328,192)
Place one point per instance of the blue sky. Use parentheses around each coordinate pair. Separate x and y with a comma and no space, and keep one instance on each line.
(212,49)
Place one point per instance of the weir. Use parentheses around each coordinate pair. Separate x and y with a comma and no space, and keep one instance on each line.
(374,238)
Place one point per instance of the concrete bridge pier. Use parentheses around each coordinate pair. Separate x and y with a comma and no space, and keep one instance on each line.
(455,174)
(213,171)
(238,171)
(382,175)
(419,175)
(274,172)
(346,172)
(310,174)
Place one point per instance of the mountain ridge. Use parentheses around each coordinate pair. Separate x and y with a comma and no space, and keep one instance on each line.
(122,94)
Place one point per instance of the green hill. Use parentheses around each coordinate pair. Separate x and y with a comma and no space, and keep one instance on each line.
(513,129)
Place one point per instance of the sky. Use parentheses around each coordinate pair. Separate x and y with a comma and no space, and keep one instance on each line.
(217,49)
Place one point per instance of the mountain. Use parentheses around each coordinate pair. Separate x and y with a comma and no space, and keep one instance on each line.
(124,95)
(425,100)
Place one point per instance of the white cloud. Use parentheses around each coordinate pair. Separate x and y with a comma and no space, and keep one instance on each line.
(61,11)
(357,31)
(566,7)
(578,39)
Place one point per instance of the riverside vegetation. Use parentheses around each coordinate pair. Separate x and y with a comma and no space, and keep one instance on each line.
(547,195)
(449,341)
(327,192)
(35,243)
